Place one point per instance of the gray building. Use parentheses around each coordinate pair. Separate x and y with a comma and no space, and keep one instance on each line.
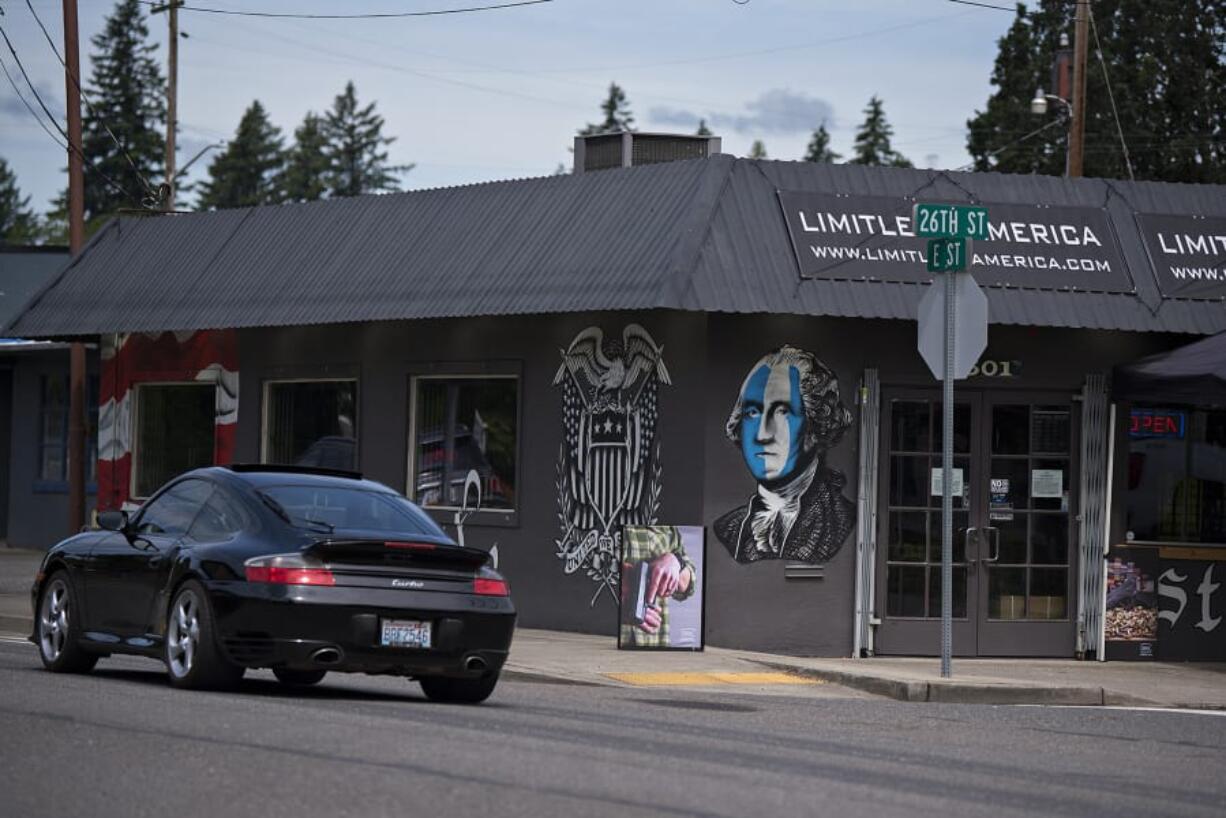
(34,410)
(717,342)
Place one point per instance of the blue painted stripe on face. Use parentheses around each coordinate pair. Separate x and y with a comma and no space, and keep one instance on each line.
(753,408)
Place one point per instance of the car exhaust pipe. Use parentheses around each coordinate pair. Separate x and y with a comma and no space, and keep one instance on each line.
(474,663)
(327,656)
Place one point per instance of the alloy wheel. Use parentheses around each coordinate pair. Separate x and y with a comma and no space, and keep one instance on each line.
(183,634)
(53,620)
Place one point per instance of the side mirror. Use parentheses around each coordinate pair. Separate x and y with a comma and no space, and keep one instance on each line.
(113,520)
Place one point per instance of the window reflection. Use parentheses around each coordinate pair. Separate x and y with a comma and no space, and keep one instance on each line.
(1177,474)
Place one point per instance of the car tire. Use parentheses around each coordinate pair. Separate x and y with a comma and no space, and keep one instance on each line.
(192,657)
(298,678)
(57,628)
(458,691)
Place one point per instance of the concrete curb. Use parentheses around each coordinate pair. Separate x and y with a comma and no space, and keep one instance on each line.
(904,690)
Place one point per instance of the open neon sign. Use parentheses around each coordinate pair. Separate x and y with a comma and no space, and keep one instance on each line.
(1167,423)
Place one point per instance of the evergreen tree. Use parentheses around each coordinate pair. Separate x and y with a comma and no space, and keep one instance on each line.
(819,147)
(872,145)
(127,95)
(245,174)
(354,146)
(18,224)
(305,176)
(703,130)
(1167,68)
(757,150)
(616,110)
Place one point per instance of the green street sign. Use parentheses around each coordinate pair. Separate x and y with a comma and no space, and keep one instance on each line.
(946,255)
(933,221)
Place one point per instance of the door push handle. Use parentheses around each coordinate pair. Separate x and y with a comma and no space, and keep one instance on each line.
(968,534)
(995,544)
(970,561)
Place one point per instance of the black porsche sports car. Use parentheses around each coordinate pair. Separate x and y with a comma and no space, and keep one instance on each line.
(301,570)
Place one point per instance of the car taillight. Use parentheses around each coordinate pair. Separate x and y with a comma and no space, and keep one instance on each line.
(287,569)
(490,587)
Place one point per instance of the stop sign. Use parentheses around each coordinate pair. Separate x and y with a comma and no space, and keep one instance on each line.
(970,324)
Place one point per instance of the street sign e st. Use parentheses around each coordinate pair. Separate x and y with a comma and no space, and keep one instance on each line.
(946,255)
(933,221)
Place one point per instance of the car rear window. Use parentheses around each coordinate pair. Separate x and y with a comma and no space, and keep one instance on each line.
(333,507)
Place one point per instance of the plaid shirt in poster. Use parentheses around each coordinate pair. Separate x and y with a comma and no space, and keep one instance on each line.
(643,544)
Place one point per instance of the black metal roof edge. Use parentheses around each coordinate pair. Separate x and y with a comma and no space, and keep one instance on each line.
(51,281)
(691,245)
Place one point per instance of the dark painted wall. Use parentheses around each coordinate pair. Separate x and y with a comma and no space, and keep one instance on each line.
(753,605)
(704,475)
(384,356)
(37,511)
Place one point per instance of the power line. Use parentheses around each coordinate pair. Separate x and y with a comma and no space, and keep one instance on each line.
(30,83)
(983,5)
(358,16)
(1003,148)
(1098,48)
(71,148)
(93,111)
(29,107)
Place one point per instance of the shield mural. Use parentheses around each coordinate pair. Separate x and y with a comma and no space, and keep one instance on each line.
(609,463)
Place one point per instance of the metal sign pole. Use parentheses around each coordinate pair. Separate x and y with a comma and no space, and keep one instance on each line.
(947,497)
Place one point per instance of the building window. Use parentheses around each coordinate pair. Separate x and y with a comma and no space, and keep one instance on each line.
(53,429)
(1177,474)
(460,425)
(175,427)
(311,423)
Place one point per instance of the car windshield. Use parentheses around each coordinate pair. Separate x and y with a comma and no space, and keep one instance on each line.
(328,508)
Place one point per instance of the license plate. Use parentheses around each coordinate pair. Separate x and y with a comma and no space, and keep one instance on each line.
(405,633)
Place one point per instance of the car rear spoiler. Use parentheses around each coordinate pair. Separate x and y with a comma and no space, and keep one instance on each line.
(391,552)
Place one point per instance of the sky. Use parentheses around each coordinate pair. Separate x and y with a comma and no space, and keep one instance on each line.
(499,94)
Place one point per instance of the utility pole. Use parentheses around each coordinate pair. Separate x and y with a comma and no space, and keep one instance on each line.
(1077,125)
(172,95)
(76,238)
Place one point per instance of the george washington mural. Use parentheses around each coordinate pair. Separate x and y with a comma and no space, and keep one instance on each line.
(787,416)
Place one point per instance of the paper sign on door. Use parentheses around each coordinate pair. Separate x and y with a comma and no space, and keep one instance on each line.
(1047,483)
(937,483)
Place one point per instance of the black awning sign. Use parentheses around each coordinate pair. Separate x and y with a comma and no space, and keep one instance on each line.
(1188,254)
(873,238)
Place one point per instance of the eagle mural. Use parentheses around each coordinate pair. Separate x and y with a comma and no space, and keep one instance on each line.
(609,464)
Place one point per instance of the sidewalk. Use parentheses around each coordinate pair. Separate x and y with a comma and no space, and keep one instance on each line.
(573,658)
(17,569)
(584,659)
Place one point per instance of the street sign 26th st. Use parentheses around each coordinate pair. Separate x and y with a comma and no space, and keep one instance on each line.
(933,221)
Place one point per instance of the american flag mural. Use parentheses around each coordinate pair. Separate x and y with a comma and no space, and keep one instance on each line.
(207,356)
(609,470)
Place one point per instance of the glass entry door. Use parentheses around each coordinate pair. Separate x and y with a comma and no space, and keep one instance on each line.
(1013,535)
(1027,527)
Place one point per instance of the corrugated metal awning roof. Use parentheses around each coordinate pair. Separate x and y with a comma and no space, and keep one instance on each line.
(702,235)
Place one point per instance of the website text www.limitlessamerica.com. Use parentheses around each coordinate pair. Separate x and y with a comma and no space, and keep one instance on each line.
(1037,262)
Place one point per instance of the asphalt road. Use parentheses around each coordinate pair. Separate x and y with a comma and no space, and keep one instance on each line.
(121,742)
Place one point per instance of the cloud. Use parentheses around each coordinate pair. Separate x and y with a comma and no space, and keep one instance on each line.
(777,111)
(10,103)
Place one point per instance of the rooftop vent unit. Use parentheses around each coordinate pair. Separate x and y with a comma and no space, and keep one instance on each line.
(624,149)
